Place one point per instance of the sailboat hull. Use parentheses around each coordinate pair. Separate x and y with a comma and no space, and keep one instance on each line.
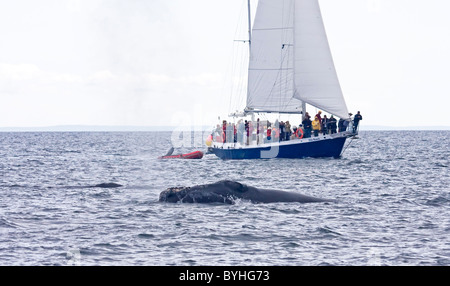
(315,147)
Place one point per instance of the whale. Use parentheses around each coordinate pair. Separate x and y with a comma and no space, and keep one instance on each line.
(102,185)
(106,186)
(227,192)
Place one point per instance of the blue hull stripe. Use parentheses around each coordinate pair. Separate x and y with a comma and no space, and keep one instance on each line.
(316,149)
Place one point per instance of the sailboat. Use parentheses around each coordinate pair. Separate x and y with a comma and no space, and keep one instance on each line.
(290,66)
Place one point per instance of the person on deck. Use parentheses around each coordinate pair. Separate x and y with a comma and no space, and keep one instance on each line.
(257,131)
(288,131)
(240,132)
(251,127)
(316,126)
(230,133)
(218,134)
(276,131)
(346,122)
(247,131)
(319,117)
(324,125)
(261,133)
(269,134)
(340,125)
(356,120)
(282,131)
(307,125)
(306,116)
(224,131)
(276,134)
(332,124)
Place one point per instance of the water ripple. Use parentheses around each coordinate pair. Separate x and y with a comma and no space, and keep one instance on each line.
(391,188)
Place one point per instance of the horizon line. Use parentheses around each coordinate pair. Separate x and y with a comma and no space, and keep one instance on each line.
(144,128)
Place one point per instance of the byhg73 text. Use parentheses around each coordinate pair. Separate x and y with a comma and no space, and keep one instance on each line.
(226,276)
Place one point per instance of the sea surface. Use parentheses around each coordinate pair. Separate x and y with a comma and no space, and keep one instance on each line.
(392,191)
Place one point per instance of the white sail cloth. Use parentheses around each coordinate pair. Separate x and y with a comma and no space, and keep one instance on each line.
(291,61)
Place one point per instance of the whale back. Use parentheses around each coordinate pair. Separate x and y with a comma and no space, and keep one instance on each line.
(231,186)
(228,191)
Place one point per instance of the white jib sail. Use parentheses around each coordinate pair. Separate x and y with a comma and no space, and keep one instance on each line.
(291,60)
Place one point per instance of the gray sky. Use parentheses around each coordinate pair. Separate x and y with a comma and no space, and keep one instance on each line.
(160,62)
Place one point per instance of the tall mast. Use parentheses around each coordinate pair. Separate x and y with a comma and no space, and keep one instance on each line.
(295,47)
(236,114)
(249,51)
(249,27)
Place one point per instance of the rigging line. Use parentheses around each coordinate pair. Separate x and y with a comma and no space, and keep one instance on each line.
(237,84)
(242,69)
(285,54)
(277,80)
(286,37)
(345,148)
(278,77)
(281,56)
(237,63)
(231,79)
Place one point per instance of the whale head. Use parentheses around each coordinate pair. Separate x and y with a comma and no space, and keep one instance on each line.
(222,192)
(173,195)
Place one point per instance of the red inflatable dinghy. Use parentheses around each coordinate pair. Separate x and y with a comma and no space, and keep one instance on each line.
(193,155)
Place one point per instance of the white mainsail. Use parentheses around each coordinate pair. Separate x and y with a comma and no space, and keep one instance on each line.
(291,61)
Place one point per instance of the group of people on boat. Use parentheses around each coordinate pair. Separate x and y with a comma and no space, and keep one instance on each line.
(321,124)
(263,131)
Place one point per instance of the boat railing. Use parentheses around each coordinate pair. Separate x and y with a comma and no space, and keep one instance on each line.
(353,131)
(234,141)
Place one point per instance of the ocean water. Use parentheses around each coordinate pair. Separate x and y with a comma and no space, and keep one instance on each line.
(392,208)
